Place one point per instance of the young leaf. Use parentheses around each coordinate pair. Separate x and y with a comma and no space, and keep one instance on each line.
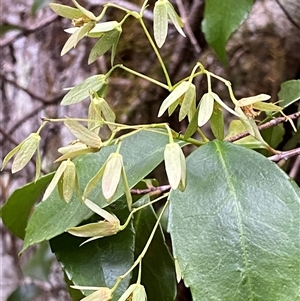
(62,167)
(173,164)
(160,22)
(77,36)
(193,125)
(253,99)
(66,11)
(11,154)
(86,12)
(126,189)
(107,112)
(93,182)
(222,104)
(106,41)
(81,91)
(267,107)
(176,20)
(102,294)
(69,180)
(26,151)
(103,213)
(112,175)
(83,134)
(206,108)
(188,100)
(174,95)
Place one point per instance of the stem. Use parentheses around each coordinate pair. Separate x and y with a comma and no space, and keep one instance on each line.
(139,259)
(149,79)
(157,53)
(200,132)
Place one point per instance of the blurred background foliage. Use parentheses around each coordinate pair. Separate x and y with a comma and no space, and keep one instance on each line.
(262,53)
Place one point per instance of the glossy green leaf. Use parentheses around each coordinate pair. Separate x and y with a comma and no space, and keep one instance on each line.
(141,152)
(289,93)
(221,19)
(83,134)
(160,282)
(274,135)
(174,95)
(107,40)
(100,262)
(66,11)
(217,122)
(235,229)
(160,22)
(16,210)
(81,91)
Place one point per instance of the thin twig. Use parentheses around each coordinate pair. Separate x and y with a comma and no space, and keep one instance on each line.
(159,189)
(264,126)
(187,26)
(285,155)
(287,14)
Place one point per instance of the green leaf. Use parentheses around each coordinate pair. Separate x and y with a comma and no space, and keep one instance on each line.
(160,22)
(274,135)
(38,4)
(66,11)
(235,229)
(175,18)
(15,212)
(160,281)
(193,125)
(81,91)
(221,19)
(83,134)
(86,12)
(77,36)
(217,122)
(236,127)
(107,40)
(174,95)
(112,175)
(26,151)
(8,27)
(100,262)
(141,152)
(187,102)
(289,93)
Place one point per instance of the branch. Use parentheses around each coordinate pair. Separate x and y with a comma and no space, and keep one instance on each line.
(285,155)
(159,189)
(26,31)
(264,126)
